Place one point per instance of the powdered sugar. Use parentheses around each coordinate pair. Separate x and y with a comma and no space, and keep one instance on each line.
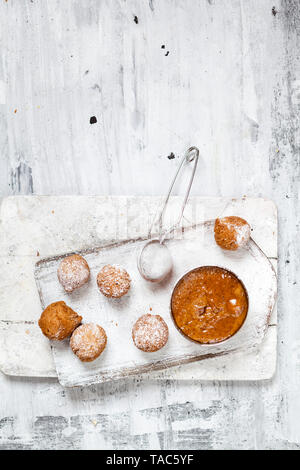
(73,272)
(155,261)
(241,231)
(150,333)
(242,234)
(88,341)
(113,281)
(232,232)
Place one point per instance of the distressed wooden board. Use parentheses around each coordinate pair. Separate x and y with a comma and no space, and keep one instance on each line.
(196,247)
(46,225)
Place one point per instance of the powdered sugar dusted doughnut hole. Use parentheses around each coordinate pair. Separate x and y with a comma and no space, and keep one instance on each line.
(88,341)
(150,333)
(113,281)
(232,232)
(73,272)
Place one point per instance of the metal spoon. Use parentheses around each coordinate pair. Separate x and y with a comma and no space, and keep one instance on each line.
(155,260)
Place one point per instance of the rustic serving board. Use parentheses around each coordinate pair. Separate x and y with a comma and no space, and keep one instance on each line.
(195,247)
(34,227)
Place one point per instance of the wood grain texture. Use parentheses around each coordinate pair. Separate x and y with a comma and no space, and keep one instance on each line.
(230,84)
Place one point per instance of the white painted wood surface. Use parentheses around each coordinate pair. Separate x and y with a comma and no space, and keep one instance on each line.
(230,84)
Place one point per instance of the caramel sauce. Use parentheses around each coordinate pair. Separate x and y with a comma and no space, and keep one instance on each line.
(209,304)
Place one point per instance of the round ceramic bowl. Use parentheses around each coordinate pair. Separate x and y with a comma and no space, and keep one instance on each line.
(216,342)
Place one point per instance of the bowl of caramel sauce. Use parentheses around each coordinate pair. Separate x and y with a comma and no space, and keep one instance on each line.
(209,304)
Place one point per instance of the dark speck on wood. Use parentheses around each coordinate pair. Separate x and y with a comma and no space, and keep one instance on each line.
(274,11)
(93,120)
(163,46)
(136,20)
(171,156)
(167,53)
(96,87)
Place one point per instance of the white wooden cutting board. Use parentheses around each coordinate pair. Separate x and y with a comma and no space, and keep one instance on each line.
(34,227)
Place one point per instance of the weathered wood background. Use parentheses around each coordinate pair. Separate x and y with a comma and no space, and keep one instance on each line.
(158,75)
